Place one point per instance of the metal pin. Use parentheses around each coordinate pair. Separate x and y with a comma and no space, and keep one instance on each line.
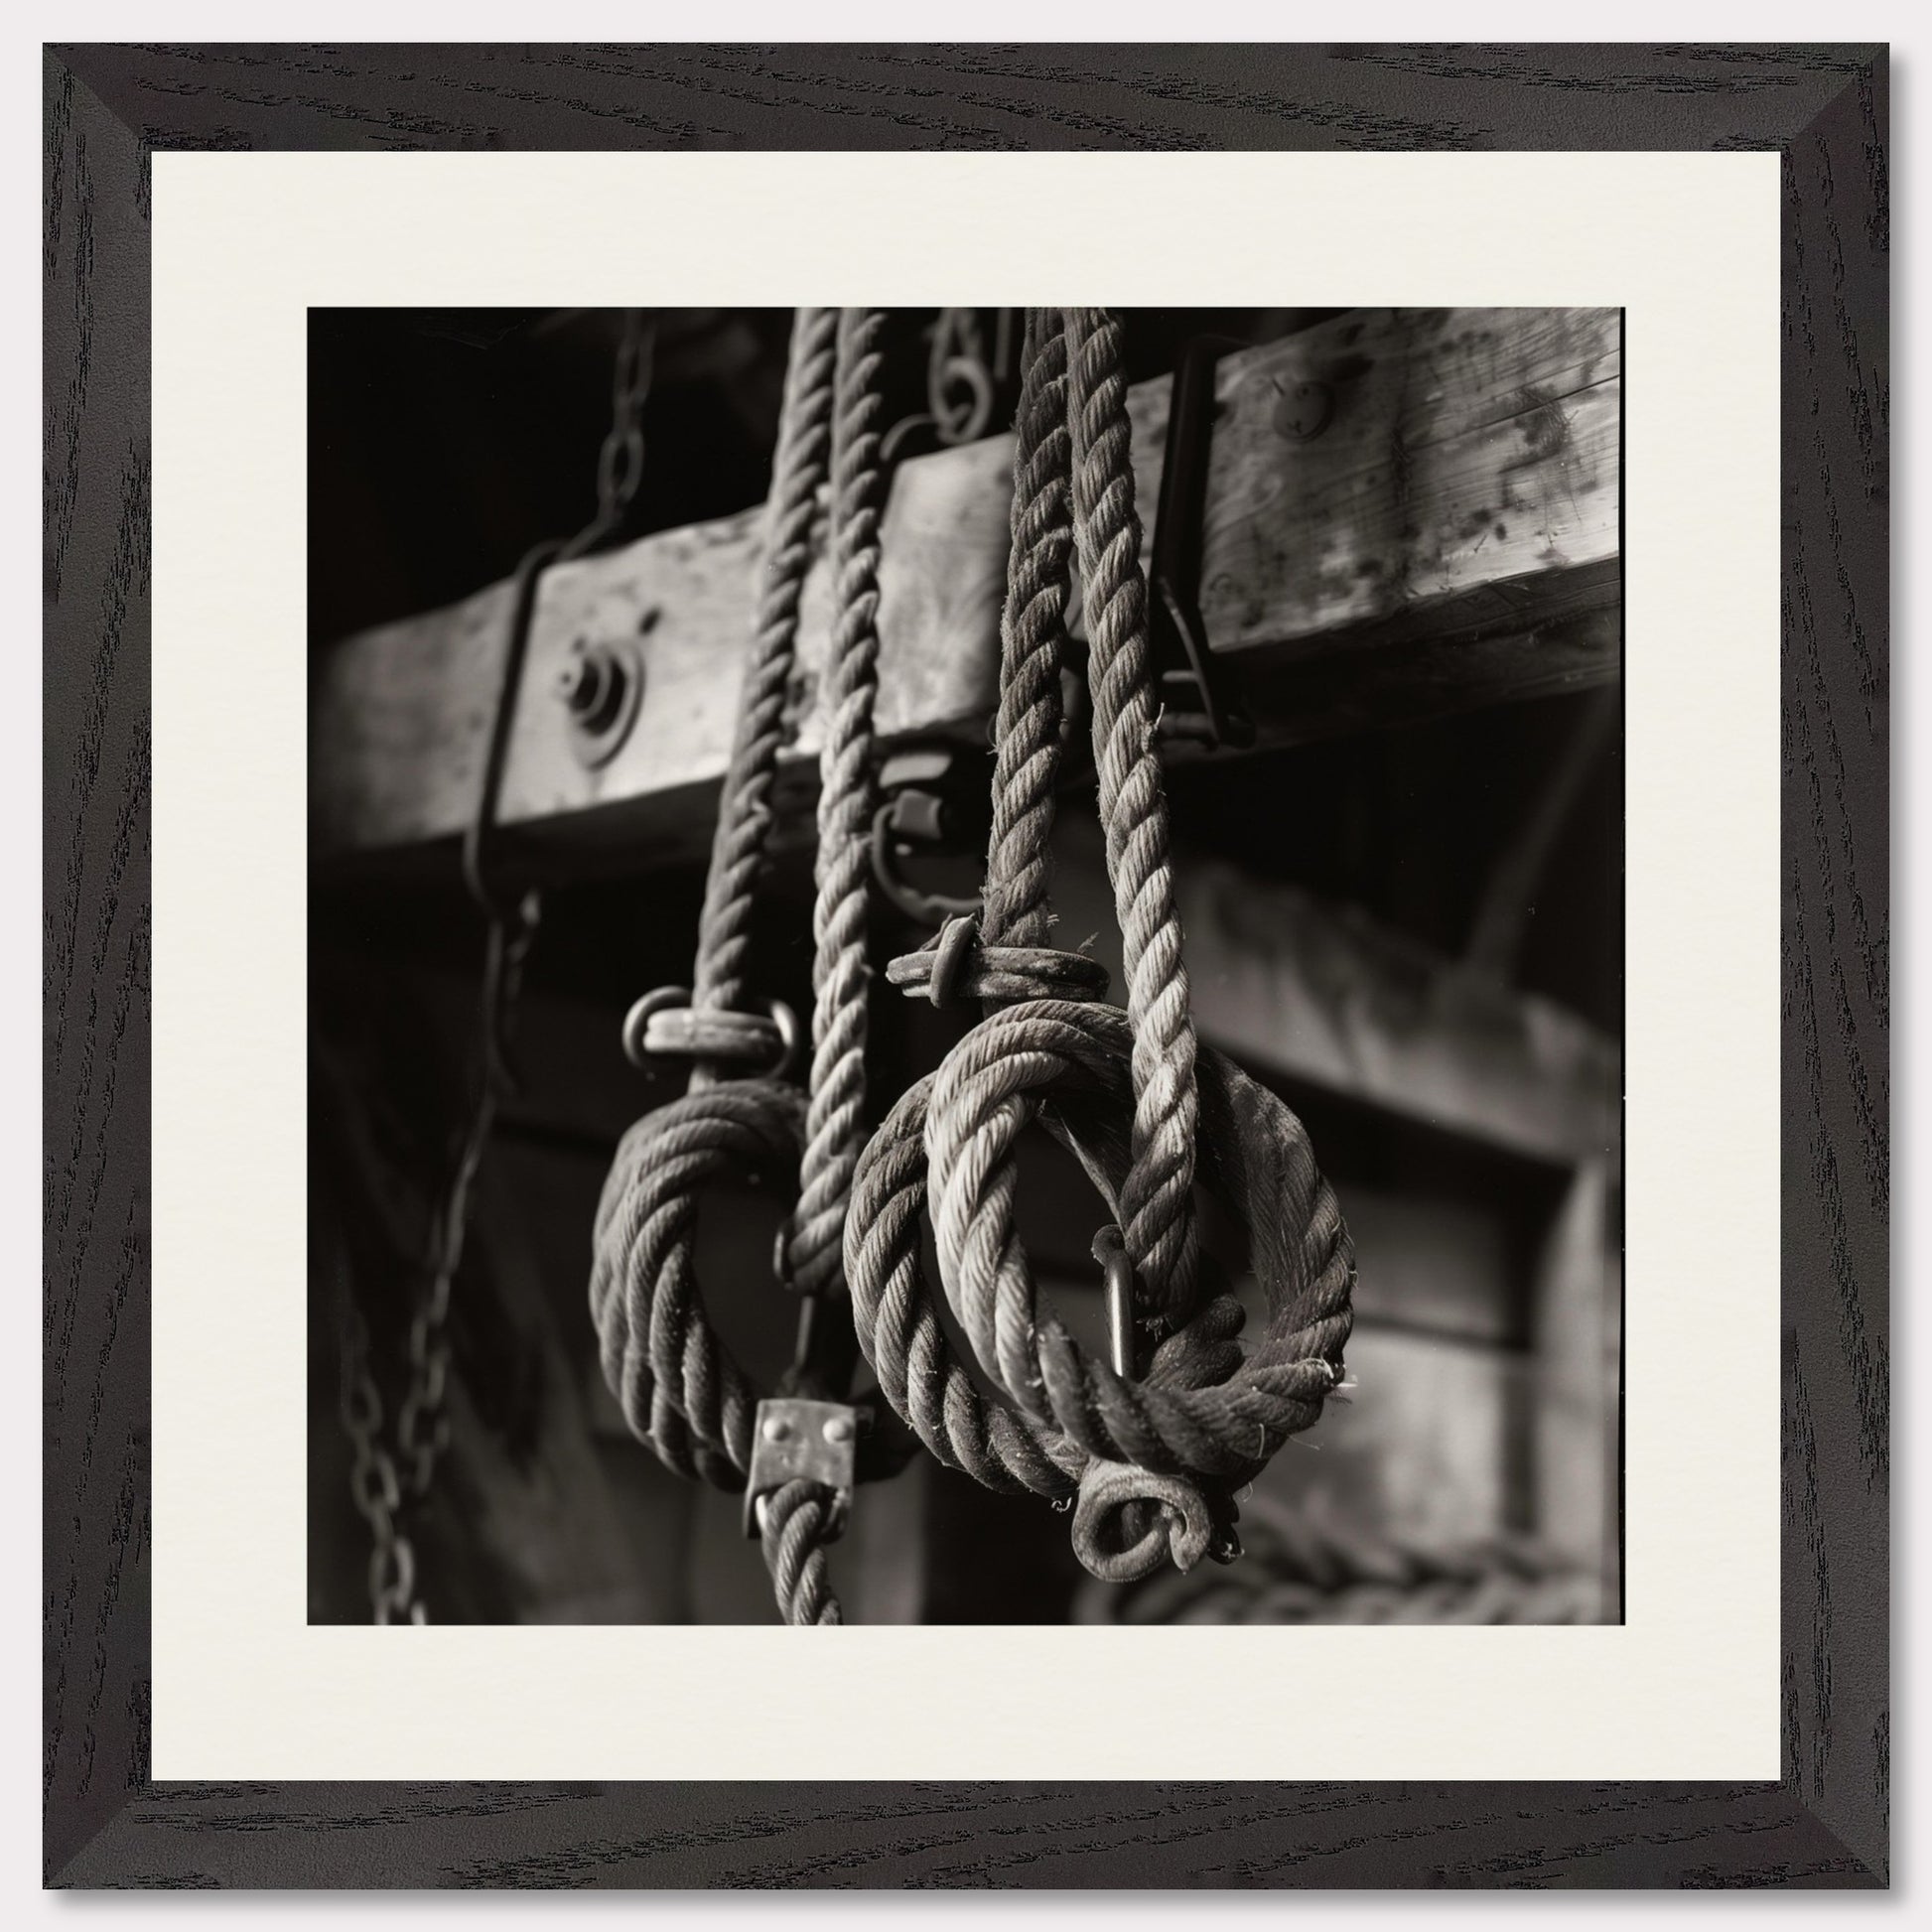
(1109,1249)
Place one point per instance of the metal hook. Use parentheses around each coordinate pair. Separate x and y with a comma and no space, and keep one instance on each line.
(1110,1250)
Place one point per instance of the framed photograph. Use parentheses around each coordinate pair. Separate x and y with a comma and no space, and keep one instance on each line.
(1179,1007)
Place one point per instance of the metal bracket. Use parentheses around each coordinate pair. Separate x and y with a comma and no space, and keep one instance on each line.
(933,801)
(1195,691)
(794,1440)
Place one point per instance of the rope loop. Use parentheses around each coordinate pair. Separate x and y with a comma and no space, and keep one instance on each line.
(955,964)
(678,1385)
(1128,1522)
(1207,1410)
(1154,1456)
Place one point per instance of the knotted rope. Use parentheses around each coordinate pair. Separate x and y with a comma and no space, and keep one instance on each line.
(1155,1457)
(680,1388)
(1206,1408)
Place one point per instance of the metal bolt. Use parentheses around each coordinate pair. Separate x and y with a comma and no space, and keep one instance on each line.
(777,1430)
(839,1430)
(601,686)
(577,681)
(1306,411)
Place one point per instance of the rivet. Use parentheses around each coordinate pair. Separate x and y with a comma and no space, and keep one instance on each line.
(839,1430)
(777,1430)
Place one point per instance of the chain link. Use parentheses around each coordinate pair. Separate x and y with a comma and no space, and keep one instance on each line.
(620,462)
(372,1481)
(964,381)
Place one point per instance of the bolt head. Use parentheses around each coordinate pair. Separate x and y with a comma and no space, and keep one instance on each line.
(839,1430)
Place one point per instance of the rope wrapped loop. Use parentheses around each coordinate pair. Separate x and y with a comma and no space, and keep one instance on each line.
(678,1385)
(1207,1412)
(1154,1458)
(956,964)
(1129,1522)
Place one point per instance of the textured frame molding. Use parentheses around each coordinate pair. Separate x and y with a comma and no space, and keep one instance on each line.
(107,108)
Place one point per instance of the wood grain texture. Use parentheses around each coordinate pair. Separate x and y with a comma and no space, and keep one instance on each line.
(94,1009)
(1115,1836)
(1825,1824)
(1463,486)
(1836,968)
(1292,985)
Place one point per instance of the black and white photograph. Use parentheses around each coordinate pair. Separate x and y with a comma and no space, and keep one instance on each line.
(1182,1008)
(966,966)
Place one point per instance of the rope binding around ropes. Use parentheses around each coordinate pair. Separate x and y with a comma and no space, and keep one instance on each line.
(1155,1455)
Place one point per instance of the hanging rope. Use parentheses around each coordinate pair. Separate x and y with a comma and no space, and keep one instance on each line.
(841,979)
(680,1388)
(1155,1456)
(1205,1407)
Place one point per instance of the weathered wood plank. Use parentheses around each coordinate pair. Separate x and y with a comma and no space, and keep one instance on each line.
(1575,1458)
(1464,491)
(1323,993)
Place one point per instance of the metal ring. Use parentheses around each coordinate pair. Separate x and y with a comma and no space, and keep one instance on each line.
(638,1051)
(661,999)
(789,1037)
(955,425)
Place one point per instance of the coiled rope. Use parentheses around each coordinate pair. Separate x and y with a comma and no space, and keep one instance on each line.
(1154,1456)
(1305,1567)
(678,1386)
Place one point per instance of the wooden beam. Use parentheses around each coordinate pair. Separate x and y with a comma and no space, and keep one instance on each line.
(1407,510)
(1321,992)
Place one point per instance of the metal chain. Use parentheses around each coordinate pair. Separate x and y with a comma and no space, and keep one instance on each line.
(373,1480)
(422,1431)
(620,462)
(422,1422)
(963,381)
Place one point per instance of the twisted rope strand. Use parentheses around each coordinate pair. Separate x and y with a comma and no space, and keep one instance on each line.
(1305,1567)
(1206,1410)
(835,1125)
(719,977)
(1156,1215)
(796,1522)
(678,1385)
(1032,649)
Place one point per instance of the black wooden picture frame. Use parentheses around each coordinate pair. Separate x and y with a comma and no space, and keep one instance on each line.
(1825,1823)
